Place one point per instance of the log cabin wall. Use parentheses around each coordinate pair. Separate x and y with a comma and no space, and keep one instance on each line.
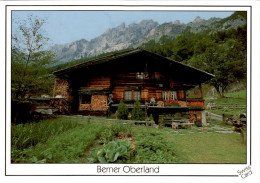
(150,85)
(147,85)
(181,94)
(94,81)
(94,85)
(98,83)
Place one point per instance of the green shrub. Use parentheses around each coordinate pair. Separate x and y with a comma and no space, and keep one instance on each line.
(122,111)
(106,136)
(151,118)
(114,152)
(137,113)
(117,129)
(152,147)
(112,116)
(121,130)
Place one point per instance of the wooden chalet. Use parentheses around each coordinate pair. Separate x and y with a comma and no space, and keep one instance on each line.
(94,86)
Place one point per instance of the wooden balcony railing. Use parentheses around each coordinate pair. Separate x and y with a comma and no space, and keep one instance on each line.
(191,102)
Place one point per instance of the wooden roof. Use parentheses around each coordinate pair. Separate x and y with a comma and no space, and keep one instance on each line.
(191,74)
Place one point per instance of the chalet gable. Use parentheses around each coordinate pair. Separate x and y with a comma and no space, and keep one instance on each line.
(137,60)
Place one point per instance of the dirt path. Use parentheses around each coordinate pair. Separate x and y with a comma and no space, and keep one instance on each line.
(88,155)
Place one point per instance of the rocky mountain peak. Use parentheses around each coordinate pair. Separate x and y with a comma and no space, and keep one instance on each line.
(197,20)
(177,22)
(82,41)
(144,22)
(121,26)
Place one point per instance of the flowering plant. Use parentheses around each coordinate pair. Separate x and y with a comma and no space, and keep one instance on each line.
(171,101)
(196,104)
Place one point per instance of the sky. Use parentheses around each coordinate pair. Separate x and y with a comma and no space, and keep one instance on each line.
(67,26)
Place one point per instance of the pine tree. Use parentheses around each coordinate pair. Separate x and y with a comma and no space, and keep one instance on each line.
(137,113)
(122,111)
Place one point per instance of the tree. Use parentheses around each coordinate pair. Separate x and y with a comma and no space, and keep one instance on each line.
(137,113)
(225,59)
(183,48)
(122,111)
(30,59)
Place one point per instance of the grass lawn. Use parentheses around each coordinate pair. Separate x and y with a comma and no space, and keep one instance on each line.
(238,98)
(209,148)
(193,146)
(74,140)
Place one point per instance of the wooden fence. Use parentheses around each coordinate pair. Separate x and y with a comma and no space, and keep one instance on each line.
(226,106)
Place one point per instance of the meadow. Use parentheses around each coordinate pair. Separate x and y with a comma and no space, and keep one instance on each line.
(79,140)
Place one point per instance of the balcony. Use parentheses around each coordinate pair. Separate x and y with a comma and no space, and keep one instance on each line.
(191,103)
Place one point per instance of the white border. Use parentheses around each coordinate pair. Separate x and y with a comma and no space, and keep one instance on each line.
(82,169)
(90,169)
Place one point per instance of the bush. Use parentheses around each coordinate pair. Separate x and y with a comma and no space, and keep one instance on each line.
(122,111)
(152,147)
(137,113)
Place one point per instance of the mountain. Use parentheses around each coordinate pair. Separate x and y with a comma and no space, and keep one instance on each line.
(134,35)
(117,38)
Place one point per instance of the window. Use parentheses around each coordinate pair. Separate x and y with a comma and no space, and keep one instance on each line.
(86,99)
(128,95)
(140,75)
(165,95)
(137,95)
(173,95)
(132,95)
